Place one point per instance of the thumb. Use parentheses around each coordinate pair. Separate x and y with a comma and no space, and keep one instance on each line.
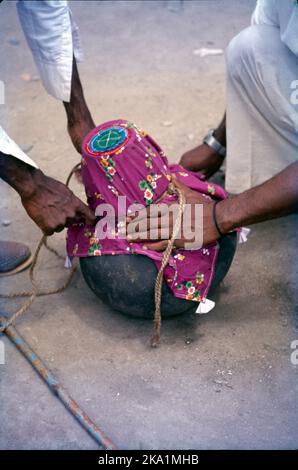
(157,246)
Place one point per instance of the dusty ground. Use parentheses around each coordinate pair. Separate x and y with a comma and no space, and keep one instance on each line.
(222,381)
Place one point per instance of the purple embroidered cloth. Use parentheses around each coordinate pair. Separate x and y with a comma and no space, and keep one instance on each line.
(119,159)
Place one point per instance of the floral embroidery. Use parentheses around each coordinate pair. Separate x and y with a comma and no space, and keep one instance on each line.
(149,155)
(199,278)
(148,186)
(94,247)
(88,233)
(120,151)
(108,165)
(211,189)
(114,190)
(148,161)
(179,257)
(119,141)
(148,195)
(150,151)
(191,292)
(138,130)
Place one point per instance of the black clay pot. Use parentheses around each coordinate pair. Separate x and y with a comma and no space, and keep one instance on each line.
(126,282)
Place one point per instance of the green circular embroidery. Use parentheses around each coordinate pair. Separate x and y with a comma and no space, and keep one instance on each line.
(108,139)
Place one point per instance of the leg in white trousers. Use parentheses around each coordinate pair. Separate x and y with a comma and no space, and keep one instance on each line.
(262,119)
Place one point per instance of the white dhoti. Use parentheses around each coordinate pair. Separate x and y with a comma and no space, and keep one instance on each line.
(262,107)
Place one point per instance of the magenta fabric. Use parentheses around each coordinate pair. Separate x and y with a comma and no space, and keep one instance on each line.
(121,159)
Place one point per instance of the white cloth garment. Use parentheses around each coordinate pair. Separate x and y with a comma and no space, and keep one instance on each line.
(53,38)
(284,15)
(9,147)
(262,111)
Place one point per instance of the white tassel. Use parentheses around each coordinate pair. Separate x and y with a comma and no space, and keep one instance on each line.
(244,232)
(206,305)
(67,262)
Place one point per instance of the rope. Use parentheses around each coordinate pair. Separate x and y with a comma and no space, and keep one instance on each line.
(35,292)
(155,340)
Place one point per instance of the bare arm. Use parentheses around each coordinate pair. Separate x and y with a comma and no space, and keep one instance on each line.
(203,158)
(79,120)
(49,203)
(276,197)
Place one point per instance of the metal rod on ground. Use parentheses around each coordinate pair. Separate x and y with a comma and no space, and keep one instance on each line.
(56,388)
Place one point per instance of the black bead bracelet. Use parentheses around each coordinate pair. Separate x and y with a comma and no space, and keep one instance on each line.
(215,220)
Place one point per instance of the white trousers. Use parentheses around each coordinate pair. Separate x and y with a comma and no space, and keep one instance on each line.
(262,107)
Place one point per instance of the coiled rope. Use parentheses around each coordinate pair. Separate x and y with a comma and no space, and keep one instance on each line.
(35,292)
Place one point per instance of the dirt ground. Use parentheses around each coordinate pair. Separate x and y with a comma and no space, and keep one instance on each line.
(224,380)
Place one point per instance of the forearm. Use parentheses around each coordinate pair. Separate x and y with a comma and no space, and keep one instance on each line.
(274,198)
(18,175)
(220,133)
(77,110)
(23,177)
(49,203)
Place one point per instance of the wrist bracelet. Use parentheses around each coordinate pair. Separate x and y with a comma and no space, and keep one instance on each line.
(212,142)
(215,220)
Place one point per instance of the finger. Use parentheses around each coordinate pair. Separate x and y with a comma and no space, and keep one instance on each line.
(86,213)
(151,234)
(157,246)
(48,231)
(138,237)
(59,228)
(72,220)
(139,215)
(152,211)
(155,227)
(159,227)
